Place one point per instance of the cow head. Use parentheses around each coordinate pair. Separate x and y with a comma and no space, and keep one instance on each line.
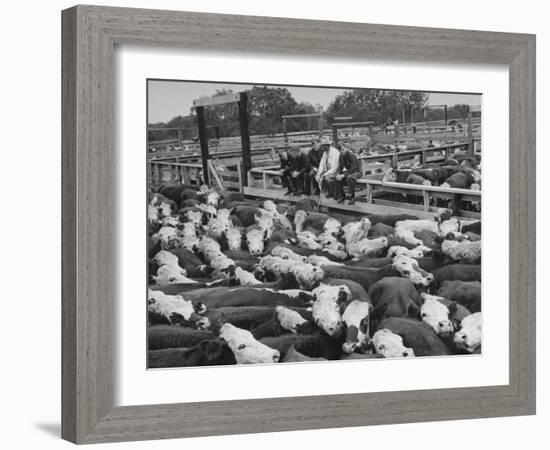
(356,318)
(307,275)
(269,205)
(171,274)
(217,227)
(213,199)
(308,240)
(469,336)
(175,310)
(286,253)
(326,308)
(194,216)
(332,226)
(255,240)
(290,320)
(165,258)
(436,315)
(409,268)
(390,345)
(234,238)
(246,349)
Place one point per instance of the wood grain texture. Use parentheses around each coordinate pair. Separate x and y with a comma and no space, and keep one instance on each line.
(89,36)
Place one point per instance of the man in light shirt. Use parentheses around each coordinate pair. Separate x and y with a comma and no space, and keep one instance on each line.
(328,167)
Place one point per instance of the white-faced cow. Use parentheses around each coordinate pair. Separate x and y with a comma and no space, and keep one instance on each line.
(246,349)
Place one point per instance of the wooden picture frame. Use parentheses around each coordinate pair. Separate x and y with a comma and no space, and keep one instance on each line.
(90,34)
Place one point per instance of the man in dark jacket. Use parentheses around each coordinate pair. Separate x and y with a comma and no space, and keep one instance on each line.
(313,160)
(348,172)
(290,163)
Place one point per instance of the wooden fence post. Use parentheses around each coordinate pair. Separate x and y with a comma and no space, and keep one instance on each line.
(203,138)
(245,136)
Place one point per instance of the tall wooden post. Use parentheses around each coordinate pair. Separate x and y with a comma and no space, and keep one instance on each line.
(203,138)
(180,138)
(245,136)
(217,131)
(284,132)
(334,135)
(445,106)
(470,134)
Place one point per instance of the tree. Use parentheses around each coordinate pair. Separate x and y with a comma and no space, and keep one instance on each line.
(375,105)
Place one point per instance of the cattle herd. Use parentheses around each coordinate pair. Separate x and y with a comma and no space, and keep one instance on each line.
(237,281)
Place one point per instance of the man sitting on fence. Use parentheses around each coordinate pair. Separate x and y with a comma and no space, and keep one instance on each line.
(348,172)
(289,172)
(328,167)
(312,168)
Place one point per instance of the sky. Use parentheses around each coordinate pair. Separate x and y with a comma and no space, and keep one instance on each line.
(168,99)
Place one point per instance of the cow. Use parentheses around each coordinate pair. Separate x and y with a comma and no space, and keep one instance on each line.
(171,274)
(414,178)
(177,192)
(246,214)
(314,345)
(284,320)
(190,262)
(326,308)
(459,180)
(368,247)
(246,349)
(474,227)
(429,238)
(247,318)
(293,355)
(394,297)
(174,310)
(255,238)
(408,267)
(417,252)
(437,315)
(468,338)
(312,221)
(465,250)
(380,230)
(249,296)
(390,345)
(209,352)
(418,336)
(462,272)
(405,229)
(390,219)
(366,277)
(356,319)
(465,293)
(170,336)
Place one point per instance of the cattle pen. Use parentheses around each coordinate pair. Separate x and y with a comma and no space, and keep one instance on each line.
(250,164)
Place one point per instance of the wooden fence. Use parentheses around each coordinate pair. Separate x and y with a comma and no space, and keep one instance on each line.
(417,199)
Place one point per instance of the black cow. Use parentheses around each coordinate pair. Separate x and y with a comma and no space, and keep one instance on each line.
(169,336)
(366,277)
(247,296)
(416,335)
(465,293)
(462,272)
(394,297)
(211,352)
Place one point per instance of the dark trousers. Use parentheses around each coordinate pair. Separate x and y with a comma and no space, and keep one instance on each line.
(329,186)
(293,184)
(309,182)
(349,181)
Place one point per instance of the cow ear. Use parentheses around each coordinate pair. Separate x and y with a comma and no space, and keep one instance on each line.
(452,309)
(413,311)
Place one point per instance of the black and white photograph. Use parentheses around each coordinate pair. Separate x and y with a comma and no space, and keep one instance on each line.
(294,224)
